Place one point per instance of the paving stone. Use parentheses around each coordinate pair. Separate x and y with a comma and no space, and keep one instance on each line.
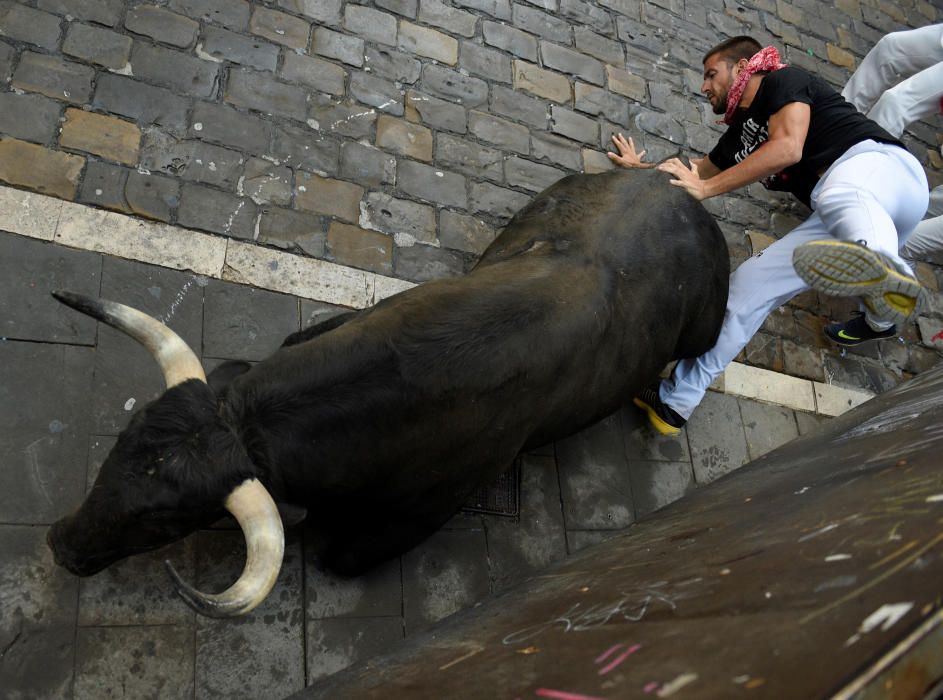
(313,72)
(509,39)
(39,169)
(332,44)
(469,157)
(810,423)
(541,23)
(101,135)
(252,90)
(225,45)
(293,230)
(23,23)
(313,313)
(435,112)
(322,11)
(715,434)
(643,444)
(31,270)
(382,212)
(280,28)
(174,70)
(495,201)
(146,104)
(766,427)
(657,484)
(366,165)
(404,138)
(357,247)
(454,21)
(37,627)
(432,184)
(407,8)
(509,103)
(519,549)
(594,478)
(430,43)
(466,233)
(232,14)
(153,196)
(104,185)
(264,320)
(44,389)
(225,126)
(378,593)
(557,150)
(263,182)
(485,62)
(392,64)
(371,24)
(309,149)
(501,132)
(803,361)
(96,45)
(446,573)
(540,82)
(529,175)
(53,77)
(262,653)
(378,92)
(421,263)
(568,123)
(334,644)
(327,196)
(132,661)
(452,85)
(191,160)
(105,12)
(207,209)
(568,61)
(161,25)
(29,117)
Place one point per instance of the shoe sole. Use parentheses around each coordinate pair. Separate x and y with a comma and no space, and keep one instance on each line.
(655,420)
(840,268)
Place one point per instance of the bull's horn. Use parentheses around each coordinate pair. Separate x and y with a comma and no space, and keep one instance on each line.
(258,517)
(176,359)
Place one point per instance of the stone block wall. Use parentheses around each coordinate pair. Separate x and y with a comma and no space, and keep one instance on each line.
(398,136)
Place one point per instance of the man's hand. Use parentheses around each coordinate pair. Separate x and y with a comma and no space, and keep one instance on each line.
(688,178)
(627,158)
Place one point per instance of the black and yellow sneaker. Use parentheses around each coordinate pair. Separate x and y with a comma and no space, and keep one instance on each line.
(856,330)
(662,418)
(842,268)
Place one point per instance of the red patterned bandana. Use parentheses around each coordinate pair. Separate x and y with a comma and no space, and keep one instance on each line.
(765,59)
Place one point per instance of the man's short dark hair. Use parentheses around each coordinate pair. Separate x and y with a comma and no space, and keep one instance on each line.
(732,50)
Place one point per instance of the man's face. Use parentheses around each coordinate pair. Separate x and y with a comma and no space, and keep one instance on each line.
(719,74)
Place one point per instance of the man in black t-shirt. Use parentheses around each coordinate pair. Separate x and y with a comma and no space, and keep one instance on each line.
(789,130)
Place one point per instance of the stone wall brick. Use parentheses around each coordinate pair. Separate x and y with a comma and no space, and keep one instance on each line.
(232,14)
(39,169)
(376,91)
(392,64)
(225,45)
(538,81)
(366,165)
(520,107)
(431,184)
(281,28)
(29,117)
(347,49)
(407,8)
(144,103)
(382,212)
(404,138)
(353,121)
(53,77)
(451,19)
(162,25)
(594,100)
(557,150)
(452,85)
(23,23)
(629,8)
(421,263)
(625,83)
(97,45)
(569,61)
(430,43)
(370,24)
(498,202)
(225,126)
(321,11)
(469,158)
(510,39)
(101,135)
(175,70)
(500,132)
(568,123)
(294,231)
(313,72)
(191,160)
(463,232)
(596,161)
(584,13)
(542,24)
(207,209)
(435,112)
(485,62)
(840,57)
(266,183)
(496,8)
(606,50)
(253,90)
(367,250)
(529,175)
(327,196)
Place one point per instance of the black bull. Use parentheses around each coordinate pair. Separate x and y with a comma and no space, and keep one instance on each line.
(382,422)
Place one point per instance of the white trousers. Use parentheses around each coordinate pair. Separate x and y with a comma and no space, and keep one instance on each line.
(928,236)
(875,193)
(901,78)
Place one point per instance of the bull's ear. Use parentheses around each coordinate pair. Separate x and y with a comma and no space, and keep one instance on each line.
(291,514)
(220,378)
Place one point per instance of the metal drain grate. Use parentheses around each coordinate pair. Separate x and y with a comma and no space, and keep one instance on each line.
(503,497)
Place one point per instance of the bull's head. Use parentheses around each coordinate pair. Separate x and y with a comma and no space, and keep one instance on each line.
(173,470)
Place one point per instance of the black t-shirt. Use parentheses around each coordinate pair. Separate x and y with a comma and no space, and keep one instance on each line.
(834,127)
